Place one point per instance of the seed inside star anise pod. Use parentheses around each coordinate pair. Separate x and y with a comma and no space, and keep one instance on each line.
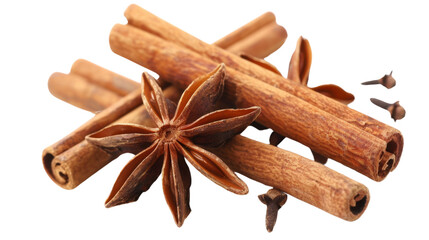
(178,134)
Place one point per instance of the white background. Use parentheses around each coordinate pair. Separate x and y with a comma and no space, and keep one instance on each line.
(351,43)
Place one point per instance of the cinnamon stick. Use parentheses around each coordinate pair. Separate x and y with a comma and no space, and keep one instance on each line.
(142,19)
(52,161)
(283,112)
(258,38)
(272,34)
(103,77)
(63,156)
(243,32)
(77,90)
(302,178)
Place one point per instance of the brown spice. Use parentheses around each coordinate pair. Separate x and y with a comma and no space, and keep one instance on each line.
(258,38)
(103,77)
(396,110)
(177,135)
(387,80)
(274,199)
(101,98)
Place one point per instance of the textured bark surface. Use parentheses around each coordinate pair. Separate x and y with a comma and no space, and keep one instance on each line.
(80,91)
(103,77)
(258,38)
(304,179)
(73,166)
(273,34)
(243,32)
(99,121)
(68,161)
(283,112)
(145,20)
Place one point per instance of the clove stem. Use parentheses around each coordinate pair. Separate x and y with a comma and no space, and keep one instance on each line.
(380,103)
(396,110)
(387,80)
(372,82)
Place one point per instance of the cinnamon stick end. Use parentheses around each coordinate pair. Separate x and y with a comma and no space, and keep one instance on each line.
(358,204)
(389,158)
(55,170)
(386,165)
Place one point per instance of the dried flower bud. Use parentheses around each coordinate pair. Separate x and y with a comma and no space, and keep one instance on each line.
(274,199)
(396,111)
(387,80)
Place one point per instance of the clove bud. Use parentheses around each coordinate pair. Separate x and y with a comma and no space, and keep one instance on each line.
(388,81)
(274,199)
(396,111)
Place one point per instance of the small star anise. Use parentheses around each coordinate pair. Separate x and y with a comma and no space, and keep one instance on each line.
(177,134)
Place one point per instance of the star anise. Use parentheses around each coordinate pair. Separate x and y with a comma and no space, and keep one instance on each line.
(178,133)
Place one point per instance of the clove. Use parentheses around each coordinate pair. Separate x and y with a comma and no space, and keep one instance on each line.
(387,80)
(396,111)
(274,199)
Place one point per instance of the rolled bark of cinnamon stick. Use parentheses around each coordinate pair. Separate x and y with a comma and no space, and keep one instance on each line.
(72,160)
(90,81)
(103,77)
(258,38)
(281,111)
(142,19)
(304,179)
(79,92)
(63,156)
(271,34)
(243,32)
(52,162)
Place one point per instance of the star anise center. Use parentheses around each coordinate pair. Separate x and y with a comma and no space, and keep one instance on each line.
(168,133)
